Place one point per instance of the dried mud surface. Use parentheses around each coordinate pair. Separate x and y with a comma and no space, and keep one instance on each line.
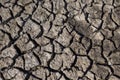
(59,39)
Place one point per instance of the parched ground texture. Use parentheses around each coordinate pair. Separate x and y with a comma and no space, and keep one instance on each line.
(59,39)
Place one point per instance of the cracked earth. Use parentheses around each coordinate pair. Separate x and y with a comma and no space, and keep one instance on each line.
(59,39)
